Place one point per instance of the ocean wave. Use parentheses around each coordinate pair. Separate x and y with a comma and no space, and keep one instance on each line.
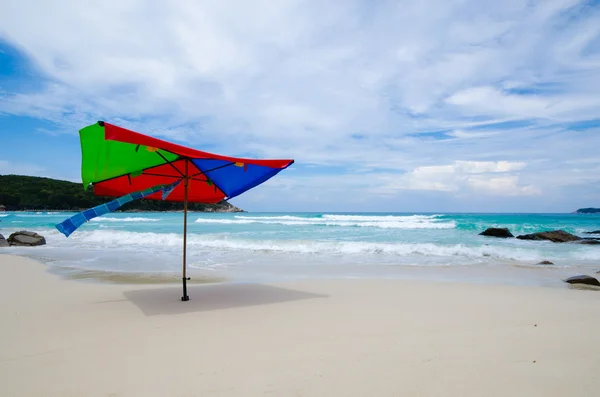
(43,215)
(336,217)
(128,219)
(220,243)
(282,217)
(382,218)
(384,222)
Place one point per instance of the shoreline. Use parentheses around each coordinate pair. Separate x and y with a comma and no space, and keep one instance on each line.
(382,337)
(509,275)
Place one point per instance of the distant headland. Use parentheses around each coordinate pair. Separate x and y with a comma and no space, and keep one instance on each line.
(31,193)
(588,211)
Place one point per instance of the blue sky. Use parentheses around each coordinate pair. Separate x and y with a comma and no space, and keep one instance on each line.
(433,105)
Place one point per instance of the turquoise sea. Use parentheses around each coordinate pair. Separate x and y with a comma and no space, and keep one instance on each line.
(282,246)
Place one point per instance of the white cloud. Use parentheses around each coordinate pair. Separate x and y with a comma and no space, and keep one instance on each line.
(462,134)
(489,101)
(506,186)
(475,176)
(304,79)
(478,167)
(468,167)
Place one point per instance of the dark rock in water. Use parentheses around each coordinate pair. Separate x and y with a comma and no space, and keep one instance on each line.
(26,239)
(545,263)
(3,242)
(556,236)
(588,280)
(590,241)
(497,232)
(594,232)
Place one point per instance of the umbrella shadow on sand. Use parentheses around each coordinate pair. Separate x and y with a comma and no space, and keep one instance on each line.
(166,301)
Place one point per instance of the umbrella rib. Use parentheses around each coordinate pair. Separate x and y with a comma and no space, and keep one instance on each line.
(212,169)
(171,164)
(162,175)
(174,176)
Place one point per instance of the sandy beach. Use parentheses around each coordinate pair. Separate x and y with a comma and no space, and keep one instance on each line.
(309,338)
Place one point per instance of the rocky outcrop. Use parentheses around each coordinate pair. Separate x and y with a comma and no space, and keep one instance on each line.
(594,232)
(502,232)
(545,263)
(587,280)
(3,242)
(556,236)
(223,208)
(26,239)
(589,241)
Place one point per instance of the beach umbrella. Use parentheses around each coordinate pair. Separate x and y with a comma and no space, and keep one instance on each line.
(117,162)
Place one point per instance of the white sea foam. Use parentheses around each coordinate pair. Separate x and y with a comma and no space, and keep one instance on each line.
(331,249)
(128,219)
(282,217)
(382,218)
(383,222)
(335,217)
(43,215)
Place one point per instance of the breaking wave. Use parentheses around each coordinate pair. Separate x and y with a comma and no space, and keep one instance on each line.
(384,222)
(220,243)
(128,219)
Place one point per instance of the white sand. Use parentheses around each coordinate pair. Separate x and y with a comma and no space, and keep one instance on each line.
(310,338)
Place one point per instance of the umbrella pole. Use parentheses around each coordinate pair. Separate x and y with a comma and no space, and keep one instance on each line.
(185,296)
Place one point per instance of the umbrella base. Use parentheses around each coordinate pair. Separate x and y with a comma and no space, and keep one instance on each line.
(185,296)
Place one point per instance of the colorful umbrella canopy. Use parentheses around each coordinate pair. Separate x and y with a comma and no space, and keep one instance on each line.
(117,162)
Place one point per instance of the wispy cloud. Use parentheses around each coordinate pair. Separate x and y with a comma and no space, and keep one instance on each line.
(420,96)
